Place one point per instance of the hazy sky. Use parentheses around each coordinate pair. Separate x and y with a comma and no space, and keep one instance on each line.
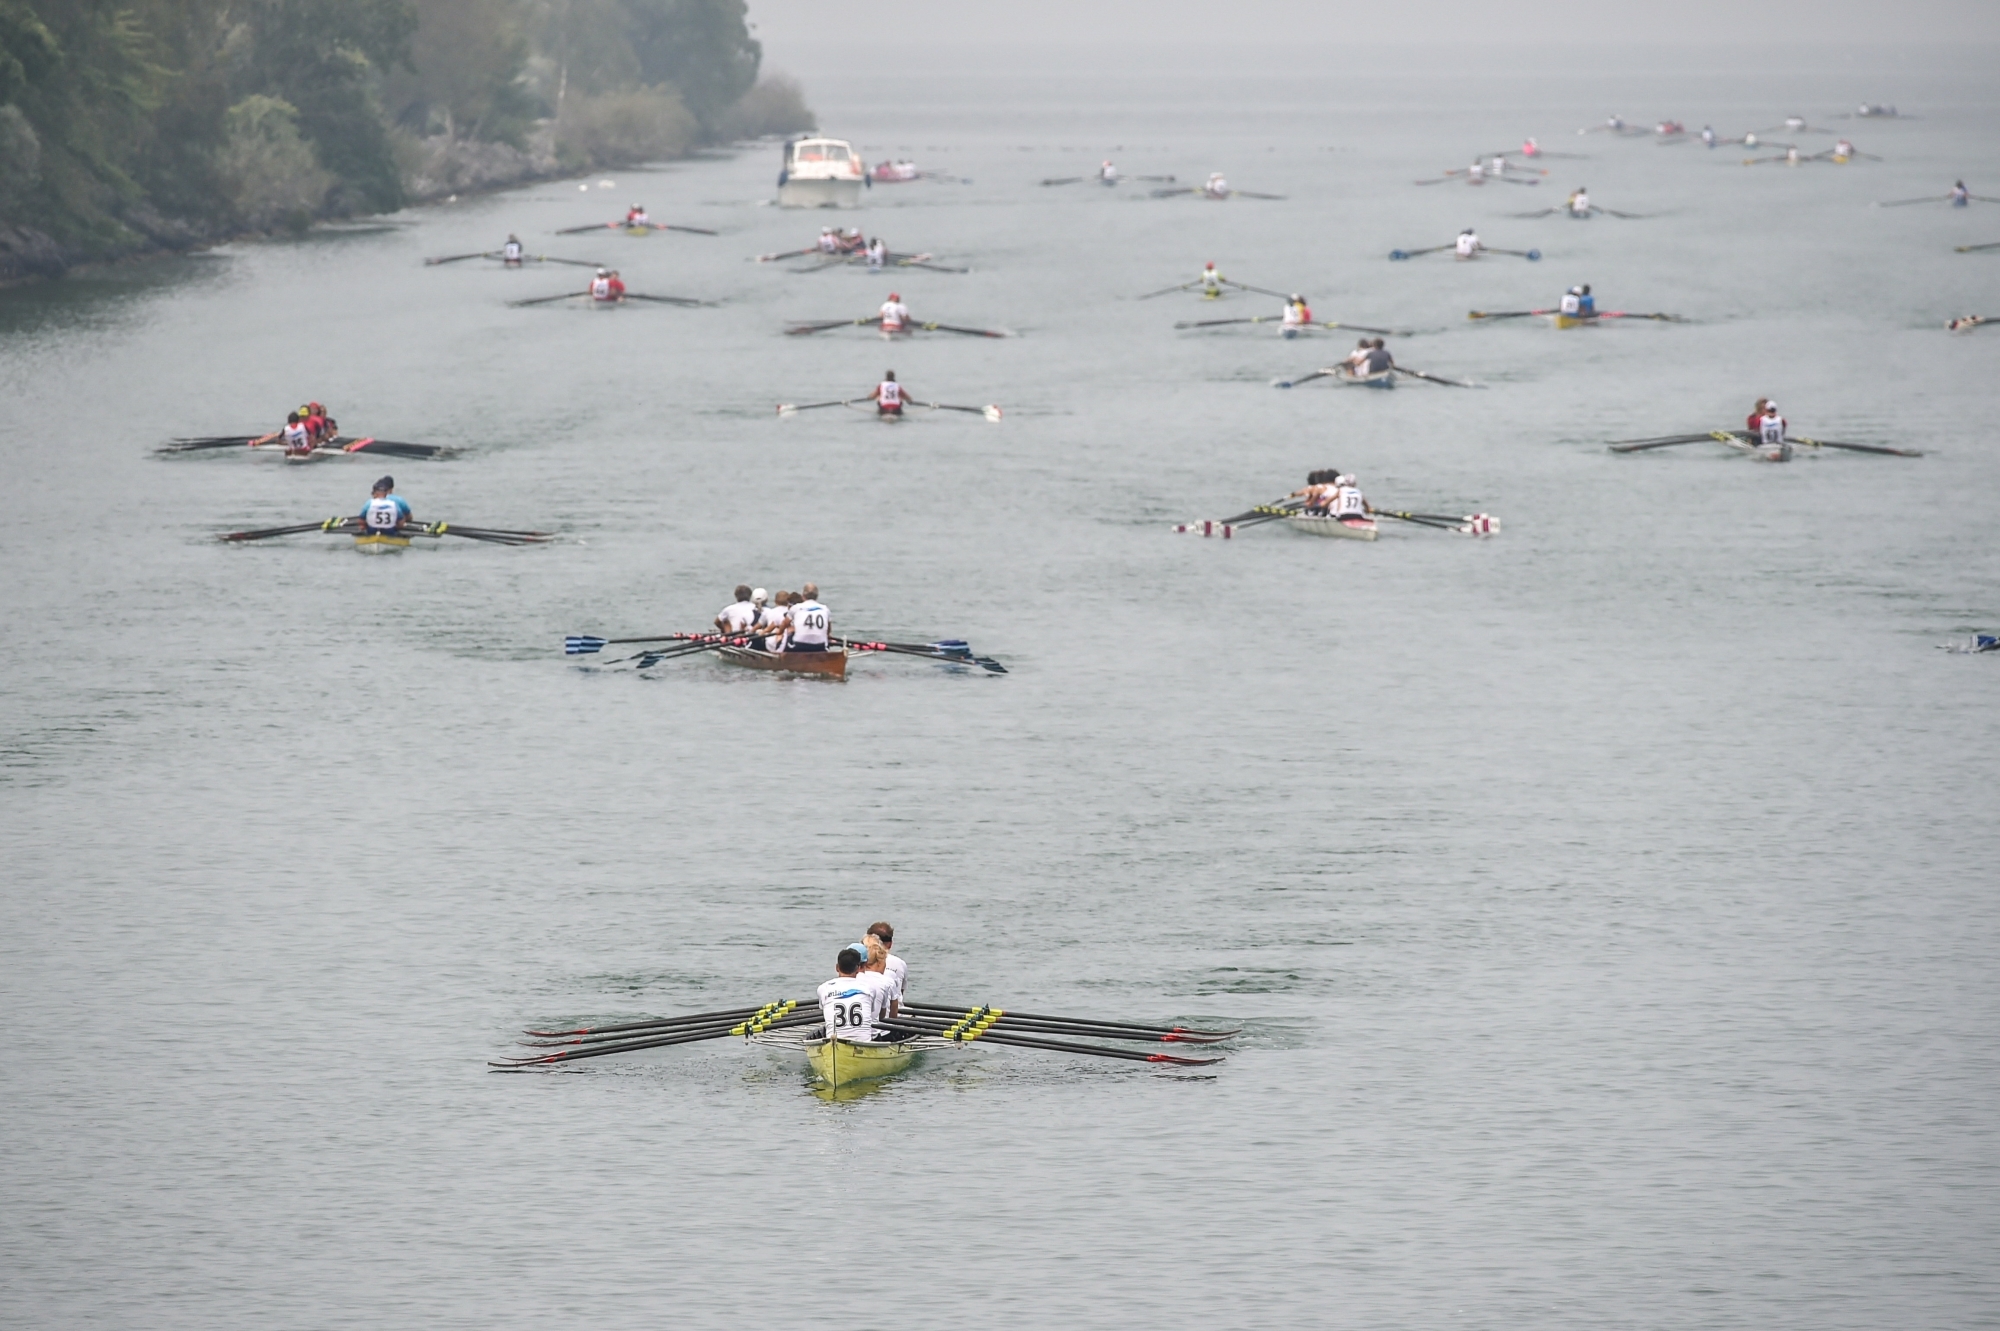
(798,33)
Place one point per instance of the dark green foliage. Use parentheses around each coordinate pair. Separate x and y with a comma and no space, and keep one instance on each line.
(701,47)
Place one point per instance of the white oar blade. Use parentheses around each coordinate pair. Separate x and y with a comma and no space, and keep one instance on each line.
(580,645)
(787,409)
(1206,527)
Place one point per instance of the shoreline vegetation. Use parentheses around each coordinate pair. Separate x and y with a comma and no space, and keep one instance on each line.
(130,127)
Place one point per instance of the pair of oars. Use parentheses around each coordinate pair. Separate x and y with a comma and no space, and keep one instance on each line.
(1072,180)
(990,411)
(1532,256)
(1202,191)
(1250,517)
(634,226)
(995,1026)
(629,295)
(525,258)
(800,329)
(1592,209)
(947,651)
(1738,437)
(1347,375)
(1279,318)
(1601,314)
(1202,281)
(492,535)
(629,1037)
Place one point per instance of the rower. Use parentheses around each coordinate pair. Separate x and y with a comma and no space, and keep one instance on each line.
(1107,174)
(1572,303)
(298,442)
(878,254)
(877,963)
(385,513)
(1614,124)
(1467,245)
(887,397)
(1349,504)
(810,622)
(828,244)
(1579,202)
(1843,150)
(512,252)
(1792,155)
(894,316)
(1795,123)
(1211,281)
(1529,148)
(636,216)
(739,617)
(1298,315)
(1756,420)
(1318,490)
(1960,195)
(770,626)
(1379,360)
(605,288)
(1708,136)
(850,241)
(1771,431)
(1217,187)
(851,1003)
(1476,173)
(320,427)
(1586,304)
(893,965)
(1359,356)
(1499,166)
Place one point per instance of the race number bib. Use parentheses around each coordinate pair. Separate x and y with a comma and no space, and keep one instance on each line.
(382,515)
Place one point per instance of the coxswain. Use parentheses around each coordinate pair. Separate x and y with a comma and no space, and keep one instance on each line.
(1843,150)
(605,288)
(894,316)
(1217,187)
(878,254)
(1586,304)
(1771,432)
(1467,245)
(385,513)
(887,397)
(512,253)
(828,242)
(739,617)
(1211,281)
(1571,303)
(1708,136)
(1960,195)
(636,216)
(1107,174)
(298,442)
(1298,315)
(1579,202)
(852,1001)
(1348,504)
(808,622)
(892,965)
(1378,361)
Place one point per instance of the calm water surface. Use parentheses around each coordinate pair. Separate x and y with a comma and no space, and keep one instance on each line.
(1609,904)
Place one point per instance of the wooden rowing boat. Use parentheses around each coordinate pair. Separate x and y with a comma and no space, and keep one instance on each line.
(380,543)
(832,664)
(843,1062)
(1321,524)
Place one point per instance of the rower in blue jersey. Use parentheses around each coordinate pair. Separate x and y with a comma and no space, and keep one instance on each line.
(386,512)
(1586,304)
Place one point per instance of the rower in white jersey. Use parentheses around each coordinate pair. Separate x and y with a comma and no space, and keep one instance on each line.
(851,1002)
(1217,187)
(1771,435)
(1960,196)
(1572,302)
(738,617)
(298,440)
(770,626)
(512,252)
(887,397)
(1476,173)
(1298,316)
(1211,281)
(878,254)
(1107,174)
(1467,245)
(876,962)
(1579,203)
(827,243)
(1499,166)
(1348,504)
(1708,139)
(894,316)
(892,965)
(810,623)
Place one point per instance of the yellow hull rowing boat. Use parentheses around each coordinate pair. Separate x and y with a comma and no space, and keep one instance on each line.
(376,544)
(840,1062)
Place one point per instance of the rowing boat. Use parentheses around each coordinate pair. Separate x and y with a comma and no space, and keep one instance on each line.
(379,543)
(1571,321)
(832,664)
(1756,448)
(1321,524)
(843,1062)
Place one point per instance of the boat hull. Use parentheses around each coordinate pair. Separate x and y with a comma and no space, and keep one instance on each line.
(1571,321)
(1318,524)
(374,544)
(843,1062)
(820,193)
(831,665)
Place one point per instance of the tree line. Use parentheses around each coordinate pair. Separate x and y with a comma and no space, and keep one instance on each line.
(124,122)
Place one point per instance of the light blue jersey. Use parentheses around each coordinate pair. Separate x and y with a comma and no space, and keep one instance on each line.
(385,514)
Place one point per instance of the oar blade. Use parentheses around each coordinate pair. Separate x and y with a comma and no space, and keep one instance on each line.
(583,644)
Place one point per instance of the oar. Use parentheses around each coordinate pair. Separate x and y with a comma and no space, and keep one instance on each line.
(990,411)
(390,447)
(455,258)
(1989,245)
(1630,217)
(1217,323)
(983,1025)
(594,226)
(650,1023)
(1411,254)
(1904,203)
(652,656)
(217,441)
(1252,194)
(1009,1014)
(1622,314)
(1304,378)
(1540,212)
(832,323)
(969,332)
(1065,1047)
(1857,448)
(687,1036)
(1279,318)
(1163,178)
(1665,441)
(1064,180)
(1245,286)
(692,230)
(665,300)
(1532,256)
(331,524)
(933,653)
(543,300)
(574,263)
(1435,379)
(791,409)
(1250,518)
(496,535)
(1505,314)
(1168,291)
(583,644)
(933,267)
(787,254)
(1472,524)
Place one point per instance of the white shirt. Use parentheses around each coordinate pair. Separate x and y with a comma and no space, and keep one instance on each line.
(1571,303)
(898,974)
(894,314)
(1772,429)
(738,616)
(1211,279)
(295,436)
(809,620)
(1295,315)
(512,249)
(1579,202)
(889,393)
(851,1005)
(600,288)
(1107,172)
(1349,502)
(1468,245)
(771,619)
(1217,185)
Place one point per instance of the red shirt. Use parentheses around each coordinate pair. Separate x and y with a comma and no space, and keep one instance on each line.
(617,288)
